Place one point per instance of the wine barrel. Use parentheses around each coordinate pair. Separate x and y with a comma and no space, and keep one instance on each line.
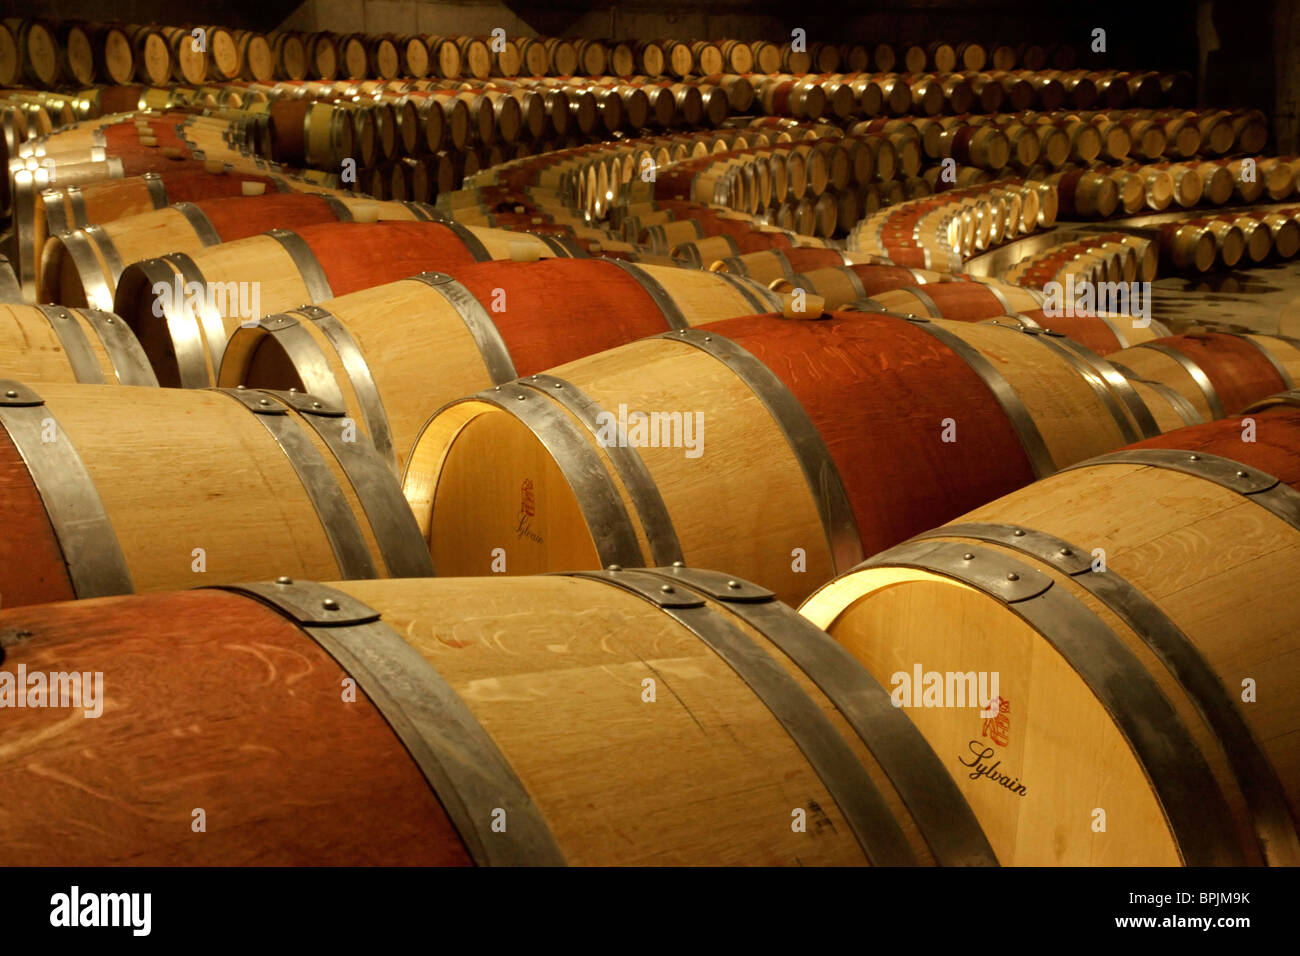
(83,267)
(622,60)
(78,43)
(1120,599)
(476,57)
(445,57)
(153,55)
(291,54)
(323,56)
(276,469)
(311,133)
(1220,373)
(535,61)
(383,57)
(787,752)
(64,208)
(563,55)
(1104,334)
(395,353)
(190,57)
(42,56)
(1290,397)
(843,285)
(11,60)
(279,270)
(962,301)
(771,264)
(413,57)
(738,57)
(813,473)
(353,58)
(54,343)
(256,59)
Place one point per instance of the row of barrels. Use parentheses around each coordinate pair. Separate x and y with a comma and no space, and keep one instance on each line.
(370,372)
(840,96)
(63,205)
(1189,244)
(1185,771)
(1057,139)
(1171,694)
(53,53)
(1145,781)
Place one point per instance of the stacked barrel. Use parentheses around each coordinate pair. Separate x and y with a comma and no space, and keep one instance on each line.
(541,450)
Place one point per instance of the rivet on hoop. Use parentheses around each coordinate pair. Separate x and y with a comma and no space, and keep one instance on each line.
(1012,576)
(330,604)
(284,579)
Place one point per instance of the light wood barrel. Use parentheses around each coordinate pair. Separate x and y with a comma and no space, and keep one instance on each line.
(1104,334)
(962,301)
(772,264)
(1119,599)
(786,750)
(855,283)
(843,471)
(82,267)
(276,469)
(11,61)
(394,354)
(1220,373)
(65,208)
(54,343)
(291,55)
(275,271)
(256,58)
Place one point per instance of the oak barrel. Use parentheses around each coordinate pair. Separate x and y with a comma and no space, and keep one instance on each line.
(281,269)
(785,750)
(769,455)
(92,517)
(1144,710)
(1220,373)
(82,267)
(55,343)
(395,353)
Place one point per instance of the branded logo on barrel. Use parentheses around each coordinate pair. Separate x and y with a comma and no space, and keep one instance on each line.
(997,728)
(527,511)
(922,688)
